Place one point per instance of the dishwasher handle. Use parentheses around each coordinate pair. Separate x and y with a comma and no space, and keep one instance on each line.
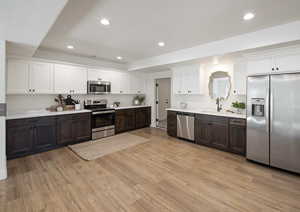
(185,114)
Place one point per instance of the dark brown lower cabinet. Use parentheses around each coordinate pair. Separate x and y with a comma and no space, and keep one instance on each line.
(219,134)
(228,134)
(32,135)
(73,128)
(134,118)
(44,133)
(237,141)
(172,123)
(142,117)
(26,136)
(202,132)
(19,139)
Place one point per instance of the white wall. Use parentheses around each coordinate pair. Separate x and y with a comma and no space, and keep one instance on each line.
(3,170)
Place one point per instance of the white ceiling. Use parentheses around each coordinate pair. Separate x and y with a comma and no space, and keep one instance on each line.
(137,25)
(26,23)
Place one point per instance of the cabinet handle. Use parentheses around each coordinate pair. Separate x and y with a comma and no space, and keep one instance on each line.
(273,69)
(33,90)
(29,90)
(277,69)
(189,91)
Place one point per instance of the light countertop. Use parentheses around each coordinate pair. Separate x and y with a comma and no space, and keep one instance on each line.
(41,113)
(129,107)
(210,112)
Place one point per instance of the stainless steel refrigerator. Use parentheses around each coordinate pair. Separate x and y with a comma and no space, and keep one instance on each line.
(273,120)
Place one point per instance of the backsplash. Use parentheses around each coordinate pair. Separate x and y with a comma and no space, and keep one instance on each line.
(17,103)
(205,102)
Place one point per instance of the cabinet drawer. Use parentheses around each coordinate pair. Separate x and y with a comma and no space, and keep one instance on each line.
(238,122)
(81,116)
(212,119)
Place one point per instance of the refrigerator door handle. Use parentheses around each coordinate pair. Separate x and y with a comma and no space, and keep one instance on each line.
(267,106)
(271,110)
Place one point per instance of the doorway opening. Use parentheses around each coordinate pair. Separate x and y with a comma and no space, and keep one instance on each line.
(163,101)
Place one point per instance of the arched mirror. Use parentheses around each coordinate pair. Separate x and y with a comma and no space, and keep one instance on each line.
(219,85)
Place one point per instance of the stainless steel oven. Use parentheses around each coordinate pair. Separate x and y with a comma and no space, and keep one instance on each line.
(103,123)
(103,118)
(98,87)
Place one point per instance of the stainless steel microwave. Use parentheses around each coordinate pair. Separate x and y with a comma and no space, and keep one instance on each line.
(98,87)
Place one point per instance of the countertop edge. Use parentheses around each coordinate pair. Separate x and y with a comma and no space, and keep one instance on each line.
(130,107)
(36,115)
(238,116)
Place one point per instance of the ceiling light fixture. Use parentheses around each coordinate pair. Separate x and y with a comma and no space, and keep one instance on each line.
(248,16)
(119,58)
(161,44)
(104,21)
(70,47)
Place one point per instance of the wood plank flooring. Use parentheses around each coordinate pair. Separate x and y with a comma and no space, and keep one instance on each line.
(164,174)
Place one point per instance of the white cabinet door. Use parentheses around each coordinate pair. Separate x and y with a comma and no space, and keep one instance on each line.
(95,74)
(240,78)
(79,80)
(41,78)
(120,82)
(192,81)
(62,82)
(288,62)
(137,84)
(177,81)
(17,77)
(187,80)
(260,66)
(70,80)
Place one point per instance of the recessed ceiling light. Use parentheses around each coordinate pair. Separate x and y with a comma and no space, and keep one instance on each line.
(161,44)
(119,58)
(104,21)
(70,47)
(249,16)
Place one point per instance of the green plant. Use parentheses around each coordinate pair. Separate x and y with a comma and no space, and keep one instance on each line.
(239,105)
(140,98)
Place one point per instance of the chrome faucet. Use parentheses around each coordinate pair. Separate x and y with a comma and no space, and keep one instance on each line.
(218,103)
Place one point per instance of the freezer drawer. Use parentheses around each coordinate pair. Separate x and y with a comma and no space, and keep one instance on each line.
(185,126)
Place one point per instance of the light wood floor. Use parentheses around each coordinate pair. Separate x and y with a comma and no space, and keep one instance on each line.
(164,174)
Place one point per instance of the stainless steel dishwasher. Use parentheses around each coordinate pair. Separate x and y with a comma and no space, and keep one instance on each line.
(185,126)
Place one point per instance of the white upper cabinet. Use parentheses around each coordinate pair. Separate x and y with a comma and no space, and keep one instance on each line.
(288,62)
(240,78)
(281,60)
(177,81)
(41,78)
(27,77)
(70,79)
(260,65)
(17,77)
(187,80)
(120,82)
(137,84)
(97,74)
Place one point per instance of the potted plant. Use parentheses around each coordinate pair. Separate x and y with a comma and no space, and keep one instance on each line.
(239,106)
(138,100)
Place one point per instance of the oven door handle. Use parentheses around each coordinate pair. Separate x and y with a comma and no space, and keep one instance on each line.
(103,112)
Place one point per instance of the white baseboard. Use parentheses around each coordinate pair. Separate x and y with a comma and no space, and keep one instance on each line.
(3,168)
(3,173)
